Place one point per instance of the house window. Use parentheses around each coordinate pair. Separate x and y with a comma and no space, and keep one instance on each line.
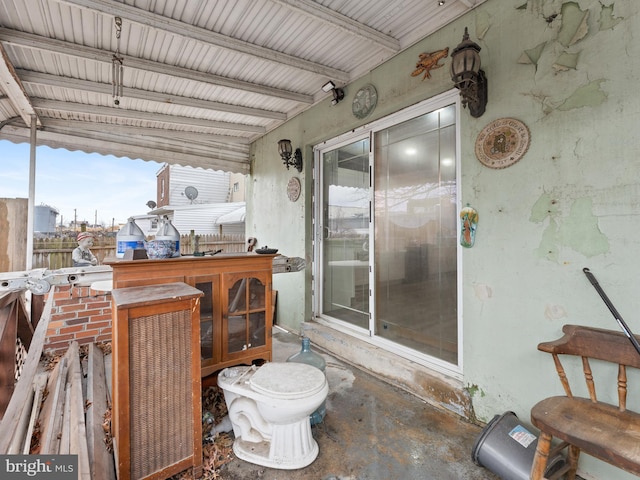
(386,230)
(236,187)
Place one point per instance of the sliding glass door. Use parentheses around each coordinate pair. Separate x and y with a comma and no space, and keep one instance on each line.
(415,219)
(345,233)
(386,231)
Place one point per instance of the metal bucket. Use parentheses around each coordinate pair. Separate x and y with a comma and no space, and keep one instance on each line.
(507,448)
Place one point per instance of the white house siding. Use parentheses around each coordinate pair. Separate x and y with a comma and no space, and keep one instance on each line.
(212,186)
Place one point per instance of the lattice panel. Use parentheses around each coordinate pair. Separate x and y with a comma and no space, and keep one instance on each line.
(21,357)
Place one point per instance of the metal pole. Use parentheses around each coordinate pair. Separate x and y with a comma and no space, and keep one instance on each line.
(623,325)
(32,193)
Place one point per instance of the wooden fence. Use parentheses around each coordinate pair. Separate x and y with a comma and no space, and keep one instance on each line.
(55,253)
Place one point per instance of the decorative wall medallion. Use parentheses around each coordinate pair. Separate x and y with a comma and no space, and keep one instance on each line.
(364,101)
(502,143)
(293,189)
(429,61)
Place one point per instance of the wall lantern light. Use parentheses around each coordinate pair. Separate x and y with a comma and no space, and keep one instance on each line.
(285,149)
(468,77)
(338,93)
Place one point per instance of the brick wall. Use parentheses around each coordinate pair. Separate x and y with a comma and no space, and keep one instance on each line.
(79,313)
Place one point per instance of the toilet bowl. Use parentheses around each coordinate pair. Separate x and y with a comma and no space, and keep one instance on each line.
(269,408)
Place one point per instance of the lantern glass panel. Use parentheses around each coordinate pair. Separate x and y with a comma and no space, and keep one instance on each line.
(284,147)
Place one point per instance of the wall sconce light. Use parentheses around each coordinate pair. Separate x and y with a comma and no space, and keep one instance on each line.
(468,77)
(338,93)
(285,149)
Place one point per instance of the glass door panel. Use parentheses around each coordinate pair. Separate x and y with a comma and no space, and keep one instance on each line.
(416,235)
(246,320)
(257,331)
(345,231)
(238,296)
(206,320)
(237,333)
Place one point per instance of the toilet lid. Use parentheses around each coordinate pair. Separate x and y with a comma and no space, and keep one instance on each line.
(287,380)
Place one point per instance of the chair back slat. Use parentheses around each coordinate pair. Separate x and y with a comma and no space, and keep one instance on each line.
(563,376)
(588,377)
(622,388)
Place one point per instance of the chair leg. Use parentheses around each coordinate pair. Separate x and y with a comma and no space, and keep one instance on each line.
(541,457)
(574,454)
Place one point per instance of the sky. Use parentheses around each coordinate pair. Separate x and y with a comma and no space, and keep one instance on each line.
(79,185)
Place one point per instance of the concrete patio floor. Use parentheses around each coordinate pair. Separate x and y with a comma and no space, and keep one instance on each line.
(374,431)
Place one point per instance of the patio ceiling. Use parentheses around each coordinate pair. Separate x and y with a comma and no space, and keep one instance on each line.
(201,79)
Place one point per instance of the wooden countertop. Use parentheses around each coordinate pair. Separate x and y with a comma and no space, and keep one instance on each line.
(153,294)
(222,256)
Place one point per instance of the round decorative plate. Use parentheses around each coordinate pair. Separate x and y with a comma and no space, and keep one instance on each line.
(293,189)
(364,101)
(502,143)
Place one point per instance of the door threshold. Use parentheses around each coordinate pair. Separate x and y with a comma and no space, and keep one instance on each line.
(437,389)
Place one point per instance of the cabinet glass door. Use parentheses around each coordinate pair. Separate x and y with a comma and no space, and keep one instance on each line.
(206,321)
(209,312)
(246,316)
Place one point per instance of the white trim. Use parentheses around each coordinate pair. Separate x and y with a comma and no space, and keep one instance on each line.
(434,103)
(459,248)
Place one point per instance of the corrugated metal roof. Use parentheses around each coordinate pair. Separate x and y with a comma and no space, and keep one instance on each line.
(202,79)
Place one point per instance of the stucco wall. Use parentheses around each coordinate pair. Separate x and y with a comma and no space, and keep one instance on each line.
(568,70)
(13,234)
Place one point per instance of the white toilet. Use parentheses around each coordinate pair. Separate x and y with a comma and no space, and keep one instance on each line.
(269,408)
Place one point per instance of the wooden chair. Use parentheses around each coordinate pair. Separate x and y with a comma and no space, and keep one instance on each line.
(608,432)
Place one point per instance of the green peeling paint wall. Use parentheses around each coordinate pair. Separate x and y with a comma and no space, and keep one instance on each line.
(570,71)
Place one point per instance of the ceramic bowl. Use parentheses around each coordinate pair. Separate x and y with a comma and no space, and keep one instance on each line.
(160,248)
(266,250)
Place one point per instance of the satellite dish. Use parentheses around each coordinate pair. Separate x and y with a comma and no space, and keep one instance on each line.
(191,193)
(151,204)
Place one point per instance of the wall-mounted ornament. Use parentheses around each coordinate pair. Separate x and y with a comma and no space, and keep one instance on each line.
(429,61)
(502,143)
(364,101)
(293,189)
(468,226)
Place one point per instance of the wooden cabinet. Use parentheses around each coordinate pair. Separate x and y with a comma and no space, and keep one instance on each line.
(235,311)
(157,407)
